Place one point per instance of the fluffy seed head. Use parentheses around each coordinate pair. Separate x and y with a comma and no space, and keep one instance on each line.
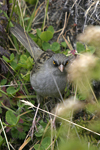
(81,71)
(81,66)
(91,36)
(64,108)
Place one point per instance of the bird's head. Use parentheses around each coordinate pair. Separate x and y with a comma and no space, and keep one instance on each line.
(60,61)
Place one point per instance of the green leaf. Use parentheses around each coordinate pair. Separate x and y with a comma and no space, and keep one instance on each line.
(80,47)
(3,82)
(1,140)
(46,142)
(46,36)
(22,135)
(38,147)
(50,28)
(15,133)
(11,118)
(27,18)
(43,124)
(12,56)
(39,42)
(5,59)
(12,91)
(29,62)
(81,97)
(66,52)
(39,32)
(26,77)
(64,44)
(55,46)
(40,132)
(33,37)
(19,65)
(14,65)
(45,46)
(23,58)
(91,49)
(25,62)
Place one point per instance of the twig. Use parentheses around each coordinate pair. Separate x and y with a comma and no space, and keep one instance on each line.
(33,106)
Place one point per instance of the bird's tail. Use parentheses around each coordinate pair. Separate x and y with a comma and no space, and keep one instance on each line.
(26,41)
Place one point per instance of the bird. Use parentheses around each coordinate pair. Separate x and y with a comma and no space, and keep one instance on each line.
(49,74)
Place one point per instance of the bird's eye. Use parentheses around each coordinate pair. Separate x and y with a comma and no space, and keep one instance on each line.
(66,63)
(54,62)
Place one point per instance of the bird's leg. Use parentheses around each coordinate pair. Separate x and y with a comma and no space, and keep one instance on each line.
(39,98)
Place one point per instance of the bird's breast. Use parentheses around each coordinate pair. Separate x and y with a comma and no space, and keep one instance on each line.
(46,83)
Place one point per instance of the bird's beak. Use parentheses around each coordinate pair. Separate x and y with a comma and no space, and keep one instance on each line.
(61,68)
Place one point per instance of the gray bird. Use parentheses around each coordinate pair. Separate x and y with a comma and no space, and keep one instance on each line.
(49,75)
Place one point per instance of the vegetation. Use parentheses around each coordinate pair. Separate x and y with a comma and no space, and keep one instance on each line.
(71,124)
